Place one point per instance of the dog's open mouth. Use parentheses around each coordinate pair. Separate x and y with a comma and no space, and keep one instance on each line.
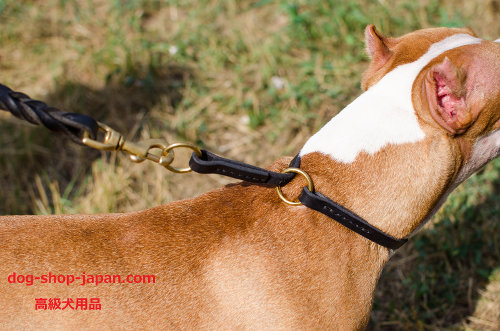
(445,97)
(445,89)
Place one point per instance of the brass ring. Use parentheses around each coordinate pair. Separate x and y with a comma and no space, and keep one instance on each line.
(165,152)
(166,157)
(310,185)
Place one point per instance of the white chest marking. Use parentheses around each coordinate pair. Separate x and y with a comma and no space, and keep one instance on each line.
(382,115)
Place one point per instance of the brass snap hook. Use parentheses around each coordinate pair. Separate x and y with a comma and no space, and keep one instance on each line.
(310,185)
(112,140)
(139,152)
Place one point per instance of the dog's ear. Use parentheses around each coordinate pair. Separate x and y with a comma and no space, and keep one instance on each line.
(379,51)
(376,46)
(446,94)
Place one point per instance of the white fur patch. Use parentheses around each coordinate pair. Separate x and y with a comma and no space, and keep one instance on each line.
(498,40)
(382,115)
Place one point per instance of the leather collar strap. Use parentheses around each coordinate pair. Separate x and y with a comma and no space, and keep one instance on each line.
(347,218)
(209,163)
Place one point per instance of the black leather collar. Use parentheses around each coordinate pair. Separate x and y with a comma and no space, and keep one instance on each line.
(211,163)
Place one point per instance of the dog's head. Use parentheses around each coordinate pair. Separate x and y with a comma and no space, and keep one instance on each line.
(457,93)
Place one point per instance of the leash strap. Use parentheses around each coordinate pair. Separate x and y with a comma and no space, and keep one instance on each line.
(209,163)
(347,218)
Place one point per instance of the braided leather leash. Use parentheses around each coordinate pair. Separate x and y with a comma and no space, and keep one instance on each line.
(37,112)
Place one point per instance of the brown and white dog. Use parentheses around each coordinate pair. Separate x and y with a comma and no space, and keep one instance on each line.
(238,257)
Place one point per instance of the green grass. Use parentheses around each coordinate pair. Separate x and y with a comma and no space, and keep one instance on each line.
(250,80)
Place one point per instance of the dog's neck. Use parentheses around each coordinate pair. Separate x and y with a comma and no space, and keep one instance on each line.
(377,153)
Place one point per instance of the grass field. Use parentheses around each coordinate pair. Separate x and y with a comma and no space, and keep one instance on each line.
(250,80)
